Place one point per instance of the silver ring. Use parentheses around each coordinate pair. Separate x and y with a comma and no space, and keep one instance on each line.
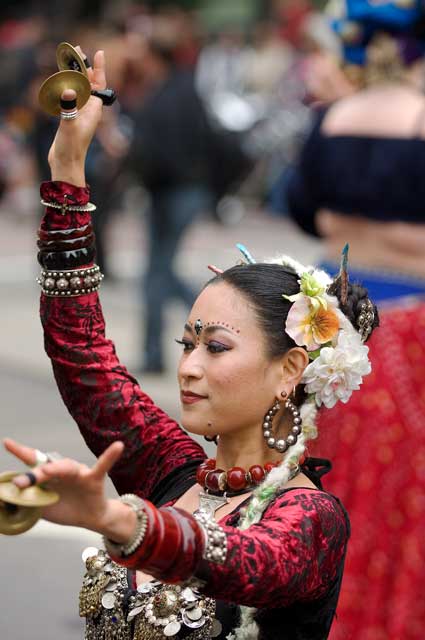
(42,458)
(52,456)
(69,115)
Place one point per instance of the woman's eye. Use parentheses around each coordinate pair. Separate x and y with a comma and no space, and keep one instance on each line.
(187,345)
(216,347)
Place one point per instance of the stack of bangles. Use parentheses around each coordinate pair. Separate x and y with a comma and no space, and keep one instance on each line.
(64,255)
(162,534)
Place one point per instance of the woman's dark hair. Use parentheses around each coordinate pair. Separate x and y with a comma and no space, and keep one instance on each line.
(264,284)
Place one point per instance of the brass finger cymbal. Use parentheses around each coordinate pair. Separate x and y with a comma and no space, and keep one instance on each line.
(51,90)
(21,508)
(69,59)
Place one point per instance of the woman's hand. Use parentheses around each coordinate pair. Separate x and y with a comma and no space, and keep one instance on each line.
(68,151)
(82,491)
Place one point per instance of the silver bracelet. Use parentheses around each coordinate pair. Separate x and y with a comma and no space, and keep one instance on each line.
(138,506)
(216,539)
(74,282)
(66,207)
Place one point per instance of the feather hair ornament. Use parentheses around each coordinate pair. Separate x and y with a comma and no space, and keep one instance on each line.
(246,254)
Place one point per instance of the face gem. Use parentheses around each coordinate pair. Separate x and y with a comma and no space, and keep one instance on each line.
(198,326)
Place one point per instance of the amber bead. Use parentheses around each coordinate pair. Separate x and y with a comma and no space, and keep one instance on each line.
(201,474)
(236,478)
(257,473)
(212,481)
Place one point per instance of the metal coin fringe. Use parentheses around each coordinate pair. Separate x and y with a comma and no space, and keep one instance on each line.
(154,611)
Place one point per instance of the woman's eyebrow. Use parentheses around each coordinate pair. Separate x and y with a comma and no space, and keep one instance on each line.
(210,328)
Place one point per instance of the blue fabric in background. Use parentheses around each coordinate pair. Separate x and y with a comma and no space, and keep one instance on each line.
(381,285)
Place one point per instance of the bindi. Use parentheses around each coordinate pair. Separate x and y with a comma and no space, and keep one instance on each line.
(198,327)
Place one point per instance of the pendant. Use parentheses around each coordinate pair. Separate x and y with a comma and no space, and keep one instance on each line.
(209,503)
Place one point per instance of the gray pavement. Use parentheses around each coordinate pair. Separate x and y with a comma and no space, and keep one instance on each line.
(41,570)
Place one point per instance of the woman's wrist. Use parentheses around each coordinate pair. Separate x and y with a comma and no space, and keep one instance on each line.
(118,522)
(71,172)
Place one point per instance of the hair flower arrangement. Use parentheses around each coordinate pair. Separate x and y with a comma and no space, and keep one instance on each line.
(339,359)
(312,320)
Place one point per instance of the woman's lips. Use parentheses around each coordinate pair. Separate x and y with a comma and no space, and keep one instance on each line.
(190,398)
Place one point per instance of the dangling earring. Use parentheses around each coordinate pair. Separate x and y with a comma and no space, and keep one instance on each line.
(281,444)
(211,439)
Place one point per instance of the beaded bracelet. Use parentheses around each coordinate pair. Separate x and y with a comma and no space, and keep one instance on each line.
(216,540)
(138,506)
(66,207)
(75,282)
(67,245)
(55,260)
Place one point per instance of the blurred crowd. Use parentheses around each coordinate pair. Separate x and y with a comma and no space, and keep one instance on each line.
(250,79)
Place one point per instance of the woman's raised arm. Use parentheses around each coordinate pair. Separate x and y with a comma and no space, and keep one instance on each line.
(103,398)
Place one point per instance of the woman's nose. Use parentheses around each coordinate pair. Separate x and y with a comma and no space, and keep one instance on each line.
(190,365)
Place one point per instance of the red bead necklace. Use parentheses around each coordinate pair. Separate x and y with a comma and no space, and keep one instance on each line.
(234,479)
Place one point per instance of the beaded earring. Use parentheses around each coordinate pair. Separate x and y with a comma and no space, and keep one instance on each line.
(282,444)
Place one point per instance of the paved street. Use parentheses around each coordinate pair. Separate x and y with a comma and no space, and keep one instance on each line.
(41,570)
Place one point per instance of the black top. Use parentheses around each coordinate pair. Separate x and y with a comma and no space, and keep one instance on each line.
(375,177)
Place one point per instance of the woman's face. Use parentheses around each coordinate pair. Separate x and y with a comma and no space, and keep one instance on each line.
(227,382)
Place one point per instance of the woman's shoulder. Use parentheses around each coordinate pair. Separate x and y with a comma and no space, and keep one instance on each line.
(300,504)
(387,112)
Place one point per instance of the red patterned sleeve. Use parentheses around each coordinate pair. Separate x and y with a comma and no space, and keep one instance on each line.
(102,397)
(294,553)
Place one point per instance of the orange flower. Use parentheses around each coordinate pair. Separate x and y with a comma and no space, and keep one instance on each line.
(311,325)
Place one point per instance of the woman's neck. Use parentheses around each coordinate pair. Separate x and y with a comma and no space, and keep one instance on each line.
(235,452)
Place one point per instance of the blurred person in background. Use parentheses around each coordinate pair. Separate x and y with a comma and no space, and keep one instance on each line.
(169,154)
(360,179)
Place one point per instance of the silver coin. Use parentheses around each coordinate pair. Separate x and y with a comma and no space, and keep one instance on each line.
(216,628)
(108,600)
(111,586)
(172,628)
(193,624)
(145,587)
(89,552)
(134,612)
(188,595)
(195,614)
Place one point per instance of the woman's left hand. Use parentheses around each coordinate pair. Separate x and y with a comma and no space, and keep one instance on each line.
(68,151)
(83,502)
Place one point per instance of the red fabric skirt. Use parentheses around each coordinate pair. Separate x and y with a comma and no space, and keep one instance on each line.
(377,446)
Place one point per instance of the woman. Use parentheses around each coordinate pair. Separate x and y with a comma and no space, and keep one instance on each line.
(259,547)
(361,176)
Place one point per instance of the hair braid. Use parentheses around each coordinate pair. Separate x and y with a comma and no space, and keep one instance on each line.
(265,494)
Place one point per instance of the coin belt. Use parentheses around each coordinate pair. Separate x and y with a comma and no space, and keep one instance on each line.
(152,612)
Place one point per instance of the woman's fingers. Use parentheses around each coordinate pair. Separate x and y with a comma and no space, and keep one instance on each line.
(65,469)
(26,454)
(98,79)
(107,460)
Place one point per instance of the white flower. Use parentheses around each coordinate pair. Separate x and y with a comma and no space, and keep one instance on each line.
(337,371)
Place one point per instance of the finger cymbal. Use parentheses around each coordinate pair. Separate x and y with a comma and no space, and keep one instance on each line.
(21,508)
(69,59)
(34,496)
(51,90)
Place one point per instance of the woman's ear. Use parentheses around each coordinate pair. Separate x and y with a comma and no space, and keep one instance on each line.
(293,364)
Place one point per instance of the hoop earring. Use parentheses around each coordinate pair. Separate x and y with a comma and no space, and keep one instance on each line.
(211,439)
(281,445)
